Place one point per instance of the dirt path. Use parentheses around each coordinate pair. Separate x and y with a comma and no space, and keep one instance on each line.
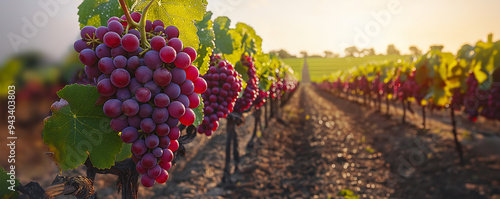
(322,146)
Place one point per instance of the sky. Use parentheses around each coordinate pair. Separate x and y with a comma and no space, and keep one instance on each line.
(293,25)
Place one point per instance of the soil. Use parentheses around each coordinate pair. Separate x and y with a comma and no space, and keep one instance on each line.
(319,147)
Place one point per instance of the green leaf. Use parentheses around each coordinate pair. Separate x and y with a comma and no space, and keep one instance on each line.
(81,130)
(207,36)
(198,112)
(179,13)
(5,191)
(97,12)
(223,39)
(241,69)
(125,152)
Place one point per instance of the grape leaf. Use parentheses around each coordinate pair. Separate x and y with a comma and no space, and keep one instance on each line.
(207,36)
(179,13)
(97,12)
(125,152)
(81,130)
(198,112)
(5,193)
(241,69)
(223,39)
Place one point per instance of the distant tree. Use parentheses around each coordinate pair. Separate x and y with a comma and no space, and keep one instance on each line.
(368,52)
(391,50)
(415,51)
(303,53)
(328,53)
(437,47)
(351,51)
(282,54)
(314,56)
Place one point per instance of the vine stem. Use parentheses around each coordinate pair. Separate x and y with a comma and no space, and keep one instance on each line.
(142,23)
(130,21)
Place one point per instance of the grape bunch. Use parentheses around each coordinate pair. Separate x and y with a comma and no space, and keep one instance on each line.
(148,88)
(220,96)
(250,92)
(471,100)
(491,109)
(261,99)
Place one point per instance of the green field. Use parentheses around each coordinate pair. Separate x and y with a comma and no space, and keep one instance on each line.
(320,67)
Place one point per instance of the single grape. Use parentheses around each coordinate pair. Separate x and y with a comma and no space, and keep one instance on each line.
(143,74)
(168,54)
(120,61)
(162,129)
(117,51)
(130,42)
(157,43)
(99,32)
(112,108)
(182,60)
(157,152)
(160,115)
(148,161)
(80,44)
(174,145)
(119,123)
(120,78)
(155,171)
(173,90)
(143,95)
(192,72)
(171,32)
(162,76)
(88,57)
(191,52)
(133,63)
(158,23)
(139,147)
(147,125)
(102,51)
(130,107)
(200,85)
(163,177)
(130,135)
(145,110)
(167,156)
(187,87)
(175,43)
(115,26)
(176,109)
(183,99)
(152,141)
(92,71)
(162,100)
(188,117)
(106,88)
(88,32)
(152,59)
(112,39)
(178,75)
(194,100)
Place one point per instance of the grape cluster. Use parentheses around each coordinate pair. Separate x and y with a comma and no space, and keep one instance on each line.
(250,92)
(471,102)
(220,96)
(261,99)
(149,87)
(491,109)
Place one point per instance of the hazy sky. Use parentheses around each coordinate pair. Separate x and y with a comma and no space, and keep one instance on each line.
(294,25)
